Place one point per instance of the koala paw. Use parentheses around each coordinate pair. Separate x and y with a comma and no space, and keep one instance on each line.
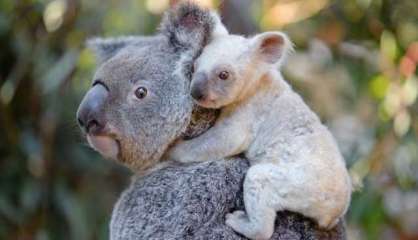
(180,154)
(239,221)
(236,214)
(173,155)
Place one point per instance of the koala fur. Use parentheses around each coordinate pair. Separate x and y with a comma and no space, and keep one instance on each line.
(123,69)
(295,162)
(177,201)
(190,202)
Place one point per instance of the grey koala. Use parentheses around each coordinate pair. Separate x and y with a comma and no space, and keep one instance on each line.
(137,107)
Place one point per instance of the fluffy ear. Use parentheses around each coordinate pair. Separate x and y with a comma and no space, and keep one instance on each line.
(105,48)
(187,25)
(219,28)
(272,47)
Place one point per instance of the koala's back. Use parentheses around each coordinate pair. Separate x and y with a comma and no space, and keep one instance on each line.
(281,122)
(285,130)
(190,202)
(289,134)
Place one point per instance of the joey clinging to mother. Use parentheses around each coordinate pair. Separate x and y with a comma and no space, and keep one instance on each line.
(295,162)
(139,102)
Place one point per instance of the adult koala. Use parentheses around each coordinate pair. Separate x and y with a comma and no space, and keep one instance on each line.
(138,105)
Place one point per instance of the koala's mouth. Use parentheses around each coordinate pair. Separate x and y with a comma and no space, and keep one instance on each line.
(107,146)
(207,103)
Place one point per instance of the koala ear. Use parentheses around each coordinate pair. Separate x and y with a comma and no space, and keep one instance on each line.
(105,48)
(189,26)
(219,28)
(272,47)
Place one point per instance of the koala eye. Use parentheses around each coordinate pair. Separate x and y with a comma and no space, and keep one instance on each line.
(141,92)
(224,75)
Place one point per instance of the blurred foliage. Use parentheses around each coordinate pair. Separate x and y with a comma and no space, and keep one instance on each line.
(355,64)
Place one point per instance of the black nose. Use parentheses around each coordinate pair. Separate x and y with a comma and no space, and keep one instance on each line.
(90,125)
(199,85)
(90,115)
(197,93)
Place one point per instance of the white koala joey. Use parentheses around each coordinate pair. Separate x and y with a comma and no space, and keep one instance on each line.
(295,162)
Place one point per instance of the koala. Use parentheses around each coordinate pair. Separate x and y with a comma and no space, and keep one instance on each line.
(295,162)
(138,106)
(133,96)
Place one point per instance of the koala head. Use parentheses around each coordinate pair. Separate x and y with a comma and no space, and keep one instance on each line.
(139,100)
(230,66)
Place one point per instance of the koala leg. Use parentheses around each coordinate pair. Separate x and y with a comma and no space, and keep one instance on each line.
(258,221)
(269,188)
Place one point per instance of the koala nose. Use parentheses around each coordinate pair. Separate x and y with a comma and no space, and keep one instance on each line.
(197,93)
(90,112)
(199,84)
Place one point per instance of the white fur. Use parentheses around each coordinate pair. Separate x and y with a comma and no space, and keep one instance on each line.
(219,29)
(296,164)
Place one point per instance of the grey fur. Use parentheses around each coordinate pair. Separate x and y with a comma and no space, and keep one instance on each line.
(179,201)
(190,202)
(137,123)
(107,48)
(187,26)
(162,64)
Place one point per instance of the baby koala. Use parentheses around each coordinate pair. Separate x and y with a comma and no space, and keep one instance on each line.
(295,162)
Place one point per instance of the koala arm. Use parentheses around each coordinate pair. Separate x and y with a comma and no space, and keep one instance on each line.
(226,138)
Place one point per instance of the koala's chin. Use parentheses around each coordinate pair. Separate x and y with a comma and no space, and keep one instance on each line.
(207,104)
(210,102)
(105,145)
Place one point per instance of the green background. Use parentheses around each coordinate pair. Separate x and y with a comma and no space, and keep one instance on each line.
(354,64)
